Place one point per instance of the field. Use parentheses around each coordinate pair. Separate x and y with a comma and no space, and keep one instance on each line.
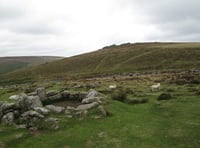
(163,124)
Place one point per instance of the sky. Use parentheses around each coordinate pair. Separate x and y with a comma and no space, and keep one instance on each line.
(71,27)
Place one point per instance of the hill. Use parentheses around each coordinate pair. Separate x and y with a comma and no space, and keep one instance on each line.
(10,64)
(117,59)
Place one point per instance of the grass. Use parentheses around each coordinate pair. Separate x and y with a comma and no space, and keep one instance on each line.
(163,124)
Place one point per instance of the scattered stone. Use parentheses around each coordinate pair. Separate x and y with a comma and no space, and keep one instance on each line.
(96,117)
(34,131)
(55,109)
(67,112)
(92,96)
(58,96)
(71,108)
(69,116)
(8,119)
(102,110)
(8,107)
(93,93)
(29,102)
(41,110)
(52,93)
(82,113)
(32,94)
(20,126)
(14,97)
(65,94)
(101,134)
(41,92)
(52,122)
(32,113)
(92,86)
(87,106)
(18,136)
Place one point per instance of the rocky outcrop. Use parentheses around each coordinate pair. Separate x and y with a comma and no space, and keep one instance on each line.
(92,96)
(29,102)
(28,110)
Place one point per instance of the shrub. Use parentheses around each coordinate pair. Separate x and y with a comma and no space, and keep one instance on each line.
(137,100)
(119,95)
(165,96)
(198,92)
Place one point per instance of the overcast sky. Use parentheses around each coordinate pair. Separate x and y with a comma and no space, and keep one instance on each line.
(70,27)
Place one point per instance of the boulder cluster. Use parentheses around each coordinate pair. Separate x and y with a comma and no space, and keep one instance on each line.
(30,109)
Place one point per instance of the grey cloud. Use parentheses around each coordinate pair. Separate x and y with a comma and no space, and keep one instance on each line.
(36,29)
(175,19)
(7,13)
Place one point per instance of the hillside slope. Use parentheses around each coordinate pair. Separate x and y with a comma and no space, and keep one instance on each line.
(118,59)
(10,64)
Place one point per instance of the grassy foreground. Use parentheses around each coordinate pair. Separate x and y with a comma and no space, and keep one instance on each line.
(161,124)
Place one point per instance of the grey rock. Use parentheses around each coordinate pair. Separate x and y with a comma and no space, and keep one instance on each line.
(93,93)
(55,109)
(91,99)
(8,107)
(8,119)
(58,96)
(52,122)
(82,113)
(32,94)
(102,110)
(87,106)
(92,96)
(20,126)
(52,93)
(41,92)
(29,102)
(67,112)
(69,116)
(71,108)
(41,110)
(65,94)
(14,97)
(32,113)
(101,134)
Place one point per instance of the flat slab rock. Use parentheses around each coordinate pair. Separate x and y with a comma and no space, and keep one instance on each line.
(55,109)
(87,106)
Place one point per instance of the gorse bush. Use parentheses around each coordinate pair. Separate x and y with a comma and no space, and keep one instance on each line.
(165,96)
(137,100)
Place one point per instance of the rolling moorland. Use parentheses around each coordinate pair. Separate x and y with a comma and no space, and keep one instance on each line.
(10,64)
(125,58)
(128,114)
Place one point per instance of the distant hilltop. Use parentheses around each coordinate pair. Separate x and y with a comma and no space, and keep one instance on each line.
(10,64)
